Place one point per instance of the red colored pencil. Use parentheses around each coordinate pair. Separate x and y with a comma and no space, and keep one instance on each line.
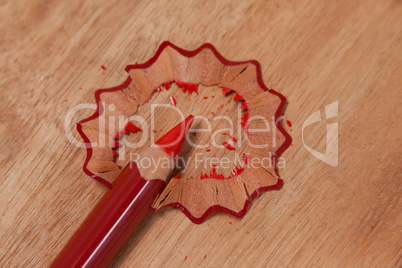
(123,207)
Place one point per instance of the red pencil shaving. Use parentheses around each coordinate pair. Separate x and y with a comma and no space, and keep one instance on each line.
(228,146)
(173,101)
(232,138)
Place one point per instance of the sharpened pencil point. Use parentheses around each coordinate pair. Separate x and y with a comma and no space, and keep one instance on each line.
(172,141)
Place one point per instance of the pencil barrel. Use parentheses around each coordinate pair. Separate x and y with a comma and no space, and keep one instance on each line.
(107,228)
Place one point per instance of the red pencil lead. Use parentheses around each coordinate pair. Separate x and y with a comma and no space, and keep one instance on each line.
(172,141)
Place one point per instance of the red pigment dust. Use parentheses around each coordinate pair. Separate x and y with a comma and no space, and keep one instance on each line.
(212,113)
(232,138)
(230,222)
(116,145)
(214,175)
(167,85)
(187,86)
(243,106)
(225,90)
(154,131)
(132,128)
(228,146)
(237,97)
(173,100)
(205,256)
(208,150)
(245,158)
(289,123)
(103,67)
(244,120)
(205,98)
(185,258)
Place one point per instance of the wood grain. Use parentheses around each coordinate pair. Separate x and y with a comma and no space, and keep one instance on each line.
(313,52)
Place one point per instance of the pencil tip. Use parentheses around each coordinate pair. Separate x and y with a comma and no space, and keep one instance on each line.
(173,141)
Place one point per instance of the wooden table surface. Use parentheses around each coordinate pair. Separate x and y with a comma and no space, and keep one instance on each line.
(313,52)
